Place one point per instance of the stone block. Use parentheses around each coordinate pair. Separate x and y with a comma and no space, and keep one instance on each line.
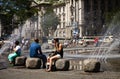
(91,65)
(62,64)
(20,61)
(3,65)
(33,63)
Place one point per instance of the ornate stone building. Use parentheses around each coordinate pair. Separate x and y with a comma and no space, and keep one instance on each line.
(77,17)
(83,17)
(71,17)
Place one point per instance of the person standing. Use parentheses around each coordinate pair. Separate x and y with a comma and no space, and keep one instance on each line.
(36,52)
(16,53)
(23,41)
(96,41)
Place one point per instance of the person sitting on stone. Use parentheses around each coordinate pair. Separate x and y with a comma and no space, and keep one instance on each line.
(36,52)
(57,55)
(16,53)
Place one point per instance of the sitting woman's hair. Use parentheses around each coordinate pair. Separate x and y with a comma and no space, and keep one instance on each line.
(16,42)
(56,39)
(36,40)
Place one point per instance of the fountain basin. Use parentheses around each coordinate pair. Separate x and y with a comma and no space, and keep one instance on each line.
(108,62)
(113,64)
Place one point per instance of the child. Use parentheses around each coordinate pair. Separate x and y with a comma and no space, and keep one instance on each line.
(16,53)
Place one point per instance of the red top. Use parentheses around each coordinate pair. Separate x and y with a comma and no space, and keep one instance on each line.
(96,40)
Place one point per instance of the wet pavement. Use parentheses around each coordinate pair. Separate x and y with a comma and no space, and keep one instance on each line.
(23,73)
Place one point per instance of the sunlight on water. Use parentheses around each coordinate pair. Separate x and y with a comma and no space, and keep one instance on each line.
(114,31)
(9,43)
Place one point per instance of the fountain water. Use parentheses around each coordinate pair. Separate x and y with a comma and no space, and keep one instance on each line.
(111,54)
(114,31)
(5,50)
(108,54)
(8,43)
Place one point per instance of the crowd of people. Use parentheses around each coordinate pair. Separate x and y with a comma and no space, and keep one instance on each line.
(35,51)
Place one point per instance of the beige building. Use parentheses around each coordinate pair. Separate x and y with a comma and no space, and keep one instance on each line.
(77,17)
(83,17)
(71,16)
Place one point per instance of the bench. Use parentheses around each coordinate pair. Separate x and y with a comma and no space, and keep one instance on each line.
(36,63)
(60,64)
(33,63)
(20,61)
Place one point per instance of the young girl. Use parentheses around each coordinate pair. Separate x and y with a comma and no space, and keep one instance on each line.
(16,53)
(58,53)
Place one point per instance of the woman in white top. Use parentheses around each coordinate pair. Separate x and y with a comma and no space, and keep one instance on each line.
(16,53)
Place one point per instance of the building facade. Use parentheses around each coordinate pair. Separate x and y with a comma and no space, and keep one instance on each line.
(83,17)
(71,16)
(77,18)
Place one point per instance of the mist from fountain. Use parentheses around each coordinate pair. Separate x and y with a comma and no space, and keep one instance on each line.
(9,43)
(114,31)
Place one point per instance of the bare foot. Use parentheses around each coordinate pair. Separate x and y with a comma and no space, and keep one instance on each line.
(48,70)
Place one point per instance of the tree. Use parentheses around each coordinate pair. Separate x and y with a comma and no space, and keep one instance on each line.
(21,8)
(49,22)
(49,19)
(110,15)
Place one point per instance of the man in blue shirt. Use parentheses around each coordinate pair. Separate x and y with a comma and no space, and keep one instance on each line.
(35,51)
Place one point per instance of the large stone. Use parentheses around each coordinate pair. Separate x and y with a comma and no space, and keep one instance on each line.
(3,65)
(62,64)
(20,61)
(33,63)
(91,65)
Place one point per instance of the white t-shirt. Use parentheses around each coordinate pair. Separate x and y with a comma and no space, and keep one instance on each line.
(23,41)
(18,49)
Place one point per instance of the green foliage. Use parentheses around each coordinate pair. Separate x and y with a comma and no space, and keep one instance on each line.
(49,21)
(110,15)
(116,18)
(21,8)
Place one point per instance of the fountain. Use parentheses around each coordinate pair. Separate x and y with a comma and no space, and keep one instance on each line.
(107,54)
(8,43)
(5,50)
(109,57)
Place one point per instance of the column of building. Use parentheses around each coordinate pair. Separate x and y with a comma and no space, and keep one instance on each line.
(91,12)
(81,17)
(68,19)
(59,25)
(62,21)
(99,16)
(0,28)
(40,30)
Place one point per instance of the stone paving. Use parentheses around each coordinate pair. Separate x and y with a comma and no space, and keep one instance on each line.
(77,73)
(23,73)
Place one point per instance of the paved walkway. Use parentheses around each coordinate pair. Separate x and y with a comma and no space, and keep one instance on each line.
(23,73)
